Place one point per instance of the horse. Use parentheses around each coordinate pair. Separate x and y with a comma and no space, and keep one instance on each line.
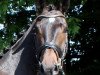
(43,45)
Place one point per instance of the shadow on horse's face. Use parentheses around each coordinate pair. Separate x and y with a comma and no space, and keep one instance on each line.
(51,38)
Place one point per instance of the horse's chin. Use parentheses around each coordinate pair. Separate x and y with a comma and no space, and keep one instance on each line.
(50,72)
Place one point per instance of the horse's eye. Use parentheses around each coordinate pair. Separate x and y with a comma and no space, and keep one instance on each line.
(39,19)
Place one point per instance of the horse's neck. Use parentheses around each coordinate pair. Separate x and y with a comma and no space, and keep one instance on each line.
(9,62)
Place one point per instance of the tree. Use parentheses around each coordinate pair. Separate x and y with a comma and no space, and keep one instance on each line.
(16,16)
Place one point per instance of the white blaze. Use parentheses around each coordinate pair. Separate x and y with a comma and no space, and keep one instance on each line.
(51,20)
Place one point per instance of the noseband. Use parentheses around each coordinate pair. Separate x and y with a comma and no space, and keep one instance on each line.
(50,45)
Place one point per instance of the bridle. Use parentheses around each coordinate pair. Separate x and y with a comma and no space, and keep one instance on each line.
(48,45)
(50,16)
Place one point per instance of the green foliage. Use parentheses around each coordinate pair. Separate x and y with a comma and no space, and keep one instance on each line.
(83,2)
(73,26)
(3,10)
(13,22)
(4,43)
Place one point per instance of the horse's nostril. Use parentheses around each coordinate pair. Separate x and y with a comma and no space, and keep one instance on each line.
(56,68)
(49,47)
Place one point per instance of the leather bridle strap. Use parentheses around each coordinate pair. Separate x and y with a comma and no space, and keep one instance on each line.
(50,16)
(46,46)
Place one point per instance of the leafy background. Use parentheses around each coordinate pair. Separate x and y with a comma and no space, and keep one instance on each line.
(83,19)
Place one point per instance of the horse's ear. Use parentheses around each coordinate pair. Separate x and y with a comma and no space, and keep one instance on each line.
(64,6)
(61,5)
(40,4)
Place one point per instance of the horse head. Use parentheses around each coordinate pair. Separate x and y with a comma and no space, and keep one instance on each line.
(50,41)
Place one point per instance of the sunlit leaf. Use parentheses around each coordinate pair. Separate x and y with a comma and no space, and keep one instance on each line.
(83,2)
(73,24)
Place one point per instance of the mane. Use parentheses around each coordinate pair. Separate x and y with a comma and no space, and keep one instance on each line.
(23,40)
